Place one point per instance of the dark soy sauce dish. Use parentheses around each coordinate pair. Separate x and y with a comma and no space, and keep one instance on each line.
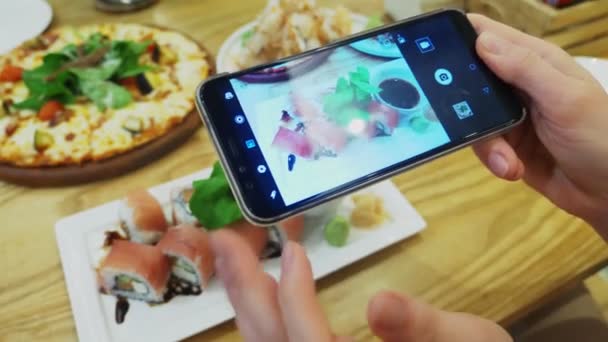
(399,93)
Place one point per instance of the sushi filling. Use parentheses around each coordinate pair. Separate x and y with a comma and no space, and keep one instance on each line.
(125,283)
(184,270)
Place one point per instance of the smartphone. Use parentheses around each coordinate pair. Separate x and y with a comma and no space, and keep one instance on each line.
(304,130)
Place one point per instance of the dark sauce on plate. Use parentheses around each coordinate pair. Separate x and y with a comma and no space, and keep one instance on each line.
(122,307)
(175,287)
(112,236)
(399,93)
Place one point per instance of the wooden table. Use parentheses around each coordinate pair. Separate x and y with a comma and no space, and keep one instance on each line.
(491,248)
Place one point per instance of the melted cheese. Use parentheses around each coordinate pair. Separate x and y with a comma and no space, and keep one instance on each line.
(190,73)
(21,143)
(3,123)
(64,148)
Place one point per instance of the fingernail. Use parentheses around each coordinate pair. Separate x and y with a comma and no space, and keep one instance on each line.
(493,43)
(498,164)
(287,256)
(389,311)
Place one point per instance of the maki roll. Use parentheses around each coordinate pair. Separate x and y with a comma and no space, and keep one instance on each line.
(142,217)
(256,237)
(180,207)
(290,229)
(135,271)
(192,257)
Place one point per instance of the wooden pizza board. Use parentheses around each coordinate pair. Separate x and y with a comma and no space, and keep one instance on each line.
(57,176)
(104,169)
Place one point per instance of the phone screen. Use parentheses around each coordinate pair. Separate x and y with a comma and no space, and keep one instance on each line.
(315,125)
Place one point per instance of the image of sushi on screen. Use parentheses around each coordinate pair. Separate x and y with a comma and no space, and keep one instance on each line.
(304,163)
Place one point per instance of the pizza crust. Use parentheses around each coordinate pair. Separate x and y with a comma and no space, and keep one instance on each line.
(93,135)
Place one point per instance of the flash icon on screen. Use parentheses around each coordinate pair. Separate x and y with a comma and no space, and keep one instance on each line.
(273,194)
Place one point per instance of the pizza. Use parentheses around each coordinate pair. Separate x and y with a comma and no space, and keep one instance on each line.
(86,94)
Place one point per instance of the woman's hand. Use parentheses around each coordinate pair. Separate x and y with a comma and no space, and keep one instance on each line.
(289,311)
(561,150)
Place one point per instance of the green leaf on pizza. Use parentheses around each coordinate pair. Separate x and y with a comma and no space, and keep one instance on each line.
(105,94)
(212,202)
(90,69)
(127,53)
(41,89)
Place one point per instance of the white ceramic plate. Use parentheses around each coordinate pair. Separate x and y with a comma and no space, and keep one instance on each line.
(231,47)
(21,20)
(596,66)
(79,238)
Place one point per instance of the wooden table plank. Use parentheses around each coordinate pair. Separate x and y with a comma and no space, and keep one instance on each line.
(492,248)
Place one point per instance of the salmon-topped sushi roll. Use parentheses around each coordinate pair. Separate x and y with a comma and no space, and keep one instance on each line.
(142,217)
(191,253)
(256,237)
(290,229)
(135,271)
(180,207)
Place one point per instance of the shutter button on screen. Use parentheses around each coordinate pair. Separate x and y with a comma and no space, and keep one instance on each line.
(443,77)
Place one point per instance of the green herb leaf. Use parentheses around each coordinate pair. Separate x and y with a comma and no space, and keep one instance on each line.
(212,202)
(363,73)
(342,85)
(128,54)
(41,90)
(361,95)
(366,87)
(334,102)
(122,60)
(101,73)
(94,42)
(105,94)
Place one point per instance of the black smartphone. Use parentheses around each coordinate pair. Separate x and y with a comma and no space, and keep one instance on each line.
(301,131)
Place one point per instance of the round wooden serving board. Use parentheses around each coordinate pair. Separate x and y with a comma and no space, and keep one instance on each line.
(104,169)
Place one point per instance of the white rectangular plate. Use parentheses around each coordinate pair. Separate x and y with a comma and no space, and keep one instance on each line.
(80,236)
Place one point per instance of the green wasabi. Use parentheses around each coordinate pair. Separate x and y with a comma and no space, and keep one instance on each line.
(336,231)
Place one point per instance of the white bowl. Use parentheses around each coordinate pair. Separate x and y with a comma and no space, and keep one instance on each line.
(16,30)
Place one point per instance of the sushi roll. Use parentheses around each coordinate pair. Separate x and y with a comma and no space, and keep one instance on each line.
(135,271)
(180,207)
(142,217)
(255,237)
(290,229)
(192,257)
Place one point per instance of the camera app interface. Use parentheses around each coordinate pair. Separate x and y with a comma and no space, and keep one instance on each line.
(320,122)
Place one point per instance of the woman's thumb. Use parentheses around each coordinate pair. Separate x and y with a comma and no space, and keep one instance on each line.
(521,67)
